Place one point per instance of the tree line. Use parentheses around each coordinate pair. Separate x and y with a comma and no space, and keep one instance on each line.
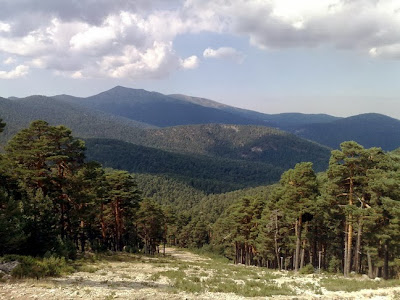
(52,201)
(344,220)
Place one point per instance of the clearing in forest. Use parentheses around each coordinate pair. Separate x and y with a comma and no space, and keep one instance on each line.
(184,275)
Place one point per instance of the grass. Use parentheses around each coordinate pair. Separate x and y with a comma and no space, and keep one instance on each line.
(196,277)
(31,267)
(219,276)
(352,285)
(87,269)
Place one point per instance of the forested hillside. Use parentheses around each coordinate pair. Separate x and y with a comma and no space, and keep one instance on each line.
(113,114)
(370,130)
(282,121)
(19,113)
(240,142)
(157,109)
(344,220)
(209,174)
(217,158)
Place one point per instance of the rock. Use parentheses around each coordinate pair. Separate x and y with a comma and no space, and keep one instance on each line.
(4,276)
(378,279)
(364,276)
(9,266)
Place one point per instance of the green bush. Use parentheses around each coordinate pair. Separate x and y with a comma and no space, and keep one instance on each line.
(31,267)
(334,265)
(308,269)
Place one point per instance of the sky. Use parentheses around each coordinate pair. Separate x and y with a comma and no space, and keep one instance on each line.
(340,57)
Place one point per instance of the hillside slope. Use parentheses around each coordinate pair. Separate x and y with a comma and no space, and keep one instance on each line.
(283,121)
(19,113)
(209,174)
(369,130)
(157,109)
(239,142)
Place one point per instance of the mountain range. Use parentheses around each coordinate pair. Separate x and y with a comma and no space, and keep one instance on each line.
(208,145)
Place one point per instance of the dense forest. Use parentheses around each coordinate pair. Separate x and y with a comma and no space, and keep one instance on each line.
(54,201)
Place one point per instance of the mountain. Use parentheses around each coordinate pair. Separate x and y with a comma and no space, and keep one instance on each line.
(18,113)
(157,109)
(238,142)
(172,110)
(283,121)
(208,174)
(213,157)
(369,130)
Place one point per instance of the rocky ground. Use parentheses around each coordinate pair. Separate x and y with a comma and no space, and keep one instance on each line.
(128,276)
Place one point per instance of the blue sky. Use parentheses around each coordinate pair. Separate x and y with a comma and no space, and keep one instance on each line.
(312,56)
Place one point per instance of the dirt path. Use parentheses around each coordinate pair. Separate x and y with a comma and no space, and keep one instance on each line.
(127,276)
(185,255)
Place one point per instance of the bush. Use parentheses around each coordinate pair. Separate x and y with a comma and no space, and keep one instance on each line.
(308,269)
(334,265)
(31,267)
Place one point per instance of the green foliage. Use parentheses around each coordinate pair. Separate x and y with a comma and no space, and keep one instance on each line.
(31,267)
(209,174)
(308,269)
(334,265)
(151,225)
(352,285)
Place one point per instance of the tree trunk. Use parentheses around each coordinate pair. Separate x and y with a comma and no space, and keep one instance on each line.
(298,244)
(345,270)
(276,242)
(102,223)
(303,252)
(386,260)
(62,221)
(357,255)
(82,237)
(370,266)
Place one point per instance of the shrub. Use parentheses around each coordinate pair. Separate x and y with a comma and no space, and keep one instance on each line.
(308,269)
(334,265)
(31,267)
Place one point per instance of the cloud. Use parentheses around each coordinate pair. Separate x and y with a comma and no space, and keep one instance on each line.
(224,53)
(355,25)
(387,51)
(191,62)
(4,27)
(19,71)
(124,45)
(135,38)
(9,61)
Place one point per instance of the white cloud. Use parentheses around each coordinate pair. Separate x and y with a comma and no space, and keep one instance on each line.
(272,24)
(224,53)
(388,51)
(19,71)
(134,39)
(4,27)
(9,61)
(191,62)
(125,45)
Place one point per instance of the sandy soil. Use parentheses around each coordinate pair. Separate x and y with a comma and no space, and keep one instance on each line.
(133,280)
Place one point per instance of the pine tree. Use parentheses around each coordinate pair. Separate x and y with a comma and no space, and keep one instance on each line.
(124,199)
(299,190)
(43,158)
(150,225)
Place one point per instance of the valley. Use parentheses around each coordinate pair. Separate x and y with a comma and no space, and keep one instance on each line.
(128,171)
